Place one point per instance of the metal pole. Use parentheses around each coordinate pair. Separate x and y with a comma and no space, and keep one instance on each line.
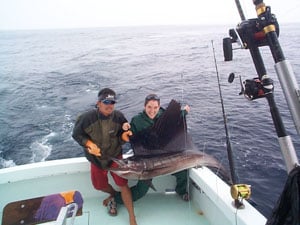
(287,80)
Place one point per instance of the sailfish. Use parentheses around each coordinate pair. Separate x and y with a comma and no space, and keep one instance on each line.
(164,148)
(140,168)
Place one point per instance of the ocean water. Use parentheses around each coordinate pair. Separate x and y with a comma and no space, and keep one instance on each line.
(49,77)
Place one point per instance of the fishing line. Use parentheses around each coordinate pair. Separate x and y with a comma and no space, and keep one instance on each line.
(183,118)
(228,143)
(182,89)
(185,144)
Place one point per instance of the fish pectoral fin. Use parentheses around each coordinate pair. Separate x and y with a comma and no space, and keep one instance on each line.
(120,162)
(150,184)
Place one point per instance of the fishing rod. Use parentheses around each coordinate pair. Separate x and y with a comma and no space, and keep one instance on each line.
(238,191)
(252,34)
(233,174)
(239,8)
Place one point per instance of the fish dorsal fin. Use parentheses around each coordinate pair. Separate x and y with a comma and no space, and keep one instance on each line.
(167,135)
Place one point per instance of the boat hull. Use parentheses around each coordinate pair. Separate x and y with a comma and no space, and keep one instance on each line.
(210,196)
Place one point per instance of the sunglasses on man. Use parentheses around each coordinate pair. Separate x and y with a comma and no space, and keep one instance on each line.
(108,102)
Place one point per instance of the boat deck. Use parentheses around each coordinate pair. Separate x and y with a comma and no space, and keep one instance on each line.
(152,209)
(211,203)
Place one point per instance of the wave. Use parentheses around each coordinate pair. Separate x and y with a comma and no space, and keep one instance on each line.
(4,163)
(41,149)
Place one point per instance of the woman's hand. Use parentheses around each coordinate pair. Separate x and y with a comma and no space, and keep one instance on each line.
(187,108)
(126,126)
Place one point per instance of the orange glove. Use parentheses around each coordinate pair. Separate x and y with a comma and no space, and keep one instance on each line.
(126,134)
(93,148)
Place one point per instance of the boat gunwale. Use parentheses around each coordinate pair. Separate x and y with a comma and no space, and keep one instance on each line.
(39,169)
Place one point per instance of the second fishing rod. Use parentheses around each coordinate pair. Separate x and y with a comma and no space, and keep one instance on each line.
(251,34)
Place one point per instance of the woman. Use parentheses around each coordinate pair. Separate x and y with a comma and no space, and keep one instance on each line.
(144,120)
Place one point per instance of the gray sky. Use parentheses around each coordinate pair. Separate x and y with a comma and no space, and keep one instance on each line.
(45,14)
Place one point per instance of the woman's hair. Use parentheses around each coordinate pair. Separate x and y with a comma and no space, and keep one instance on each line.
(151,97)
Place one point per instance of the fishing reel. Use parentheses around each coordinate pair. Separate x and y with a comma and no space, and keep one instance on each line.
(251,32)
(239,192)
(254,88)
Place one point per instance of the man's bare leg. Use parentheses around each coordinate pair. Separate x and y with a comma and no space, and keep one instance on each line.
(111,193)
(127,199)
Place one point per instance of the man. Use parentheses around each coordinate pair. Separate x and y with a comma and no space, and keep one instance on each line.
(145,119)
(99,132)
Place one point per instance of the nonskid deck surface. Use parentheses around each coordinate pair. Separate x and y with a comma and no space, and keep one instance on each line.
(154,208)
